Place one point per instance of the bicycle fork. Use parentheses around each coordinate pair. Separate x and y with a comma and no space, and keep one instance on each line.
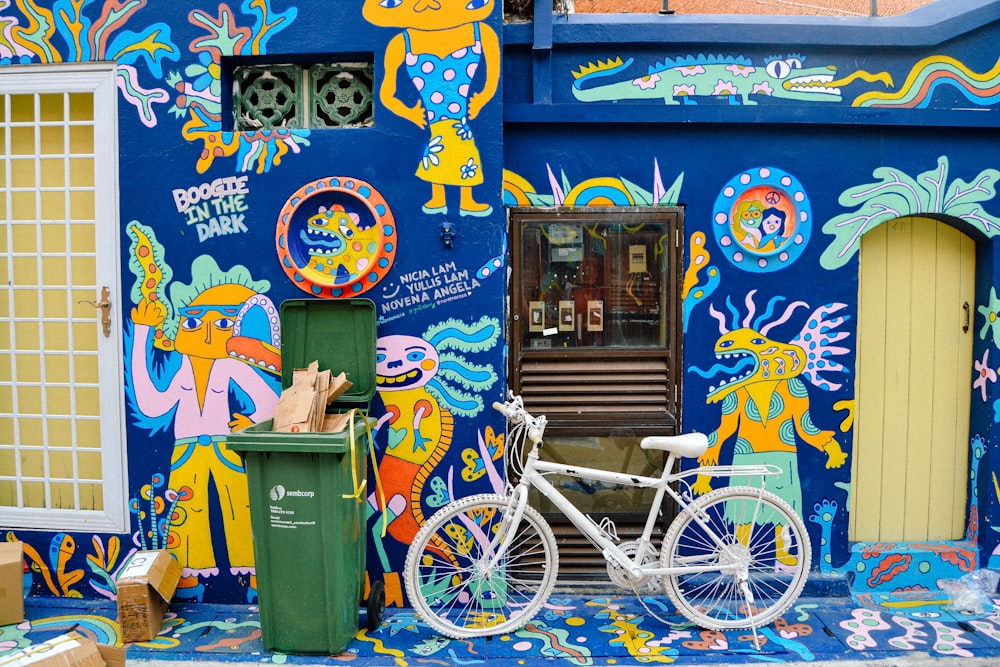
(504,538)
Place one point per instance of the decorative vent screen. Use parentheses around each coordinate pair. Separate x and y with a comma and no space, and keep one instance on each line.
(267,97)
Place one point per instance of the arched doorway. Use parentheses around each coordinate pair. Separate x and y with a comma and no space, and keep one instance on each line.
(910,464)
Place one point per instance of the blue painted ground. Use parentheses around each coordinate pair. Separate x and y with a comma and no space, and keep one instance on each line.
(571,630)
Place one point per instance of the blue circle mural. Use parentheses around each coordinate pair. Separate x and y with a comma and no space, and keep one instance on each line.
(762,219)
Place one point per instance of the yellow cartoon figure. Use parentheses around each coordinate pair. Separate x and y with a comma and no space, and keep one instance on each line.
(213,356)
(442,47)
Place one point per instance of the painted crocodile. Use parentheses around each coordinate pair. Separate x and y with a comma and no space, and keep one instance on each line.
(688,77)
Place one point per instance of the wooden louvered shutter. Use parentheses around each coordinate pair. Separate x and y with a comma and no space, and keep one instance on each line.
(593,392)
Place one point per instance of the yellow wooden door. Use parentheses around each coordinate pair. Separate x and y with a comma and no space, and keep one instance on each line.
(62,463)
(911,436)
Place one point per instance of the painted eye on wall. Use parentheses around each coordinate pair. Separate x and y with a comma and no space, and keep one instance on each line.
(415,355)
(224,324)
(758,341)
(477,4)
(380,358)
(390,4)
(190,323)
(779,69)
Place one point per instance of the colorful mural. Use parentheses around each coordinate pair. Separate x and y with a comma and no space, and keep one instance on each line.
(734,78)
(761,385)
(66,32)
(441,48)
(215,378)
(199,88)
(763,219)
(336,237)
(596,191)
(933,73)
(423,383)
(896,194)
(572,631)
(694,291)
(224,199)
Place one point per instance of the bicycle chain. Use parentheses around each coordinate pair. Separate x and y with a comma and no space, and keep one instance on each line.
(652,613)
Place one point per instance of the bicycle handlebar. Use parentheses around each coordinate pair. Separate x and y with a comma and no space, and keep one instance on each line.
(514,411)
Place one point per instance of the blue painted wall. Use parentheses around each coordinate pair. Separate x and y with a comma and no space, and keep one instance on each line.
(915,102)
(172,139)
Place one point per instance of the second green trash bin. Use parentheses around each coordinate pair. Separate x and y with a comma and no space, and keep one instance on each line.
(307,490)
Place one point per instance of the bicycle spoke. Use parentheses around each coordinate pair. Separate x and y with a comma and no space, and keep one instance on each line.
(468,575)
(736,530)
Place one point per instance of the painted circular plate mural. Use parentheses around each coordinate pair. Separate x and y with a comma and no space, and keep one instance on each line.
(762,219)
(336,237)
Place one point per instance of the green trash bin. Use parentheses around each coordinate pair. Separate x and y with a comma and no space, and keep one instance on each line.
(307,493)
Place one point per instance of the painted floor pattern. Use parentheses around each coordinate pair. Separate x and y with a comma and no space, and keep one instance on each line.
(572,630)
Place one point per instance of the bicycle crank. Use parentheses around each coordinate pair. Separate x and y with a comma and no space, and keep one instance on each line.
(622,577)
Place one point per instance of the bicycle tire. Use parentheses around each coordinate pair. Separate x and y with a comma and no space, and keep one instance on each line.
(447,584)
(715,600)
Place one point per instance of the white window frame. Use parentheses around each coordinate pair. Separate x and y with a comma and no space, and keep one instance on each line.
(100,80)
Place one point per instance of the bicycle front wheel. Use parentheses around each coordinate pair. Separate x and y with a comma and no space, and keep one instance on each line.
(457,584)
(751,574)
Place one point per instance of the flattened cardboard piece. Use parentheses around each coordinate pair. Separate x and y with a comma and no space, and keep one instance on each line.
(295,410)
(319,398)
(145,587)
(69,650)
(337,423)
(114,656)
(11,583)
(338,386)
(302,407)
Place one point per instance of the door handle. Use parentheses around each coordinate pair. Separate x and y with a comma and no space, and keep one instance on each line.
(965,307)
(105,306)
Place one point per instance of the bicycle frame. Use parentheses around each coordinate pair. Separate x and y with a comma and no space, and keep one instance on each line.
(534,473)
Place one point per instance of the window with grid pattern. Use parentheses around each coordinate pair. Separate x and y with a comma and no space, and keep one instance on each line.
(62,462)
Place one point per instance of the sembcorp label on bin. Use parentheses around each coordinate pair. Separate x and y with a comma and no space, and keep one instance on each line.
(283,517)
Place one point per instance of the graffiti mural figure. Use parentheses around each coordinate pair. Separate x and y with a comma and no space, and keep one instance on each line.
(764,400)
(442,47)
(210,385)
(423,383)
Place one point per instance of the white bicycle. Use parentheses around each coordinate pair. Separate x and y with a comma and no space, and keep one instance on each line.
(734,558)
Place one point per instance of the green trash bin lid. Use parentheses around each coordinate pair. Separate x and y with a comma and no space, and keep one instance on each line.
(340,334)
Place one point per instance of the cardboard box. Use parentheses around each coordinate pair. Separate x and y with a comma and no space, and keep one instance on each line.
(11,583)
(145,587)
(68,650)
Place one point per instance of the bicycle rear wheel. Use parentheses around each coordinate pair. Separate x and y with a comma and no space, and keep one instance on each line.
(451,581)
(757,572)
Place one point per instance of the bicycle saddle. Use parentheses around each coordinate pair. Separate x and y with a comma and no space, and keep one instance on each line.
(689,445)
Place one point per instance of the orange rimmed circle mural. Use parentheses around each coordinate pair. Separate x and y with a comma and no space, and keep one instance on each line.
(336,237)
